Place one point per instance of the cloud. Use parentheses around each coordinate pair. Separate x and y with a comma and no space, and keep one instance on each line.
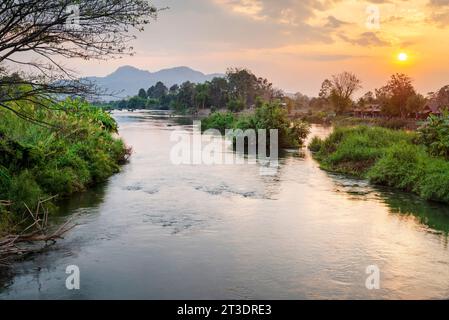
(286,21)
(327,57)
(278,11)
(440,19)
(334,23)
(251,8)
(439,13)
(438,3)
(366,39)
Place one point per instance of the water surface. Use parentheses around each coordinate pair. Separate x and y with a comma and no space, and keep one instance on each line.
(161,231)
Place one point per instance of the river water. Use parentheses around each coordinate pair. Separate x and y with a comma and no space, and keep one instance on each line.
(162,231)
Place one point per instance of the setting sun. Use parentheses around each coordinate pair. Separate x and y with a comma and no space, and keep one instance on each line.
(402,57)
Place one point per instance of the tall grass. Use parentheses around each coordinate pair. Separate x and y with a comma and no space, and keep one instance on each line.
(77,151)
(385,157)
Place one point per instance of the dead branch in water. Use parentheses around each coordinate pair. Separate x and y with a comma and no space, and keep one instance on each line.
(38,232)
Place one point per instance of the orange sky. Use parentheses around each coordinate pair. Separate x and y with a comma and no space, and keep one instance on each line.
(297,43)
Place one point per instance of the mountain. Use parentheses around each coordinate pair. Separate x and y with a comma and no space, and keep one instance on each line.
(127,80)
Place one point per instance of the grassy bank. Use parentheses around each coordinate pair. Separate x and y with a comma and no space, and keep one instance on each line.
(76,151)
(399,159)
(329,118)
(268,116)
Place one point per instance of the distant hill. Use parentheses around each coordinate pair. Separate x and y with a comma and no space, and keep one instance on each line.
(127,80)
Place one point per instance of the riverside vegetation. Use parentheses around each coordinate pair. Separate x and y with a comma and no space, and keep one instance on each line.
(267,116)
(416,162)
(49,147)
(76,148)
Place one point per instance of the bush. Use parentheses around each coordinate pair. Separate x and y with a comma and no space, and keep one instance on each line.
(316,144)
(268,116)
(409,167)
(355,150)
(385,157)
(400,167)
(37,162)
(219,121)
(236,105)
(434,134)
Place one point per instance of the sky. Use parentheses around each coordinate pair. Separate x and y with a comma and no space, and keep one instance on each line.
(296,44)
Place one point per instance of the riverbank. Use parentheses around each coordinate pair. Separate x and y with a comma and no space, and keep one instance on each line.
(397,159)
(226,232)
(330,118)
(73,150)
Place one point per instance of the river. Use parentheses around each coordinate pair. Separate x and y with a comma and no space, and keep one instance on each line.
(162,231)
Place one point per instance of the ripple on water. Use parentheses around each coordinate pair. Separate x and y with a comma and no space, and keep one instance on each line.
(177,223)
(225,190)
(141,187)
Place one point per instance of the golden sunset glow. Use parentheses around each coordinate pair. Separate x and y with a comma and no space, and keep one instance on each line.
(298,43)
(402,57)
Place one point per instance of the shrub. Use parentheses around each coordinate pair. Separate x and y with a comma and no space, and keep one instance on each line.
(236,105)
(315,144)
(400,167)
(219,121)
(268,116)
(434,134)
(38,161)
(354,150)
(386,157)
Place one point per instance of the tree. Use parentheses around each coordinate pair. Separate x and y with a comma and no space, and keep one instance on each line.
(395,94)
(150,92)
(326,89)
(415,103)
(367,98)
(301,101)
(142,94)
(166,101)
(137,103)
(218,92)
(343,86)
(236,105)
(122,104)
(157,91)
(242,86)
(35,33)
(202,95)
(186,96)
(173,89)
(442,97)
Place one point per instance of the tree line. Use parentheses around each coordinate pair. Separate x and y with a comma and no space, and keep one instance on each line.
(240,89)
(397,98)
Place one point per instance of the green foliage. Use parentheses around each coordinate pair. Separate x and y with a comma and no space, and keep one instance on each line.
(434,134)
(409,167)
(398,97)
(84,111)
(355,150)
(236,92)
(137,103)
(24,190)
(236,105)
(385,157)
(37,161)
(268,116)
(315,144)
(157,91)
(399,167)
(219,121)
(142,94)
